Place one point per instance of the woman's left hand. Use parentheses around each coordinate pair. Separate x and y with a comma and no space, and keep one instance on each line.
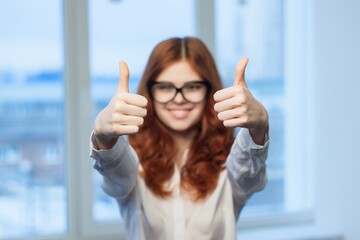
(237,107)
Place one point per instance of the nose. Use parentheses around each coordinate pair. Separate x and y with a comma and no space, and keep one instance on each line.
(179,98)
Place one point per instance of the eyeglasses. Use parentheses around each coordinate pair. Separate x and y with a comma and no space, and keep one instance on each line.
(164,92)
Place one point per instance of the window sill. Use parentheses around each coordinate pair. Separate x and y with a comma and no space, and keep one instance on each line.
(294,226)
(300,232)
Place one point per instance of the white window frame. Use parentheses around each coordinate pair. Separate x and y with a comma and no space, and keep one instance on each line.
(77,97)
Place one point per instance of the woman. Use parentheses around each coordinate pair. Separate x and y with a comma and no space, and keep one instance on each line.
(180,174)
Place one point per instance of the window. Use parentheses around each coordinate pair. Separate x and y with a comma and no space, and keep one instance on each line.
(123,39)
(258,29)
(9,154)
(51,154)
(255,28)
(31,120)
(45,171)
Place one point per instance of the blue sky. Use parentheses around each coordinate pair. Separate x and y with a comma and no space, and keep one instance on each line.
(31,32)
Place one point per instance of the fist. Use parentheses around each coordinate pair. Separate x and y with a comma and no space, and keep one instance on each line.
(123,115)
(236,107)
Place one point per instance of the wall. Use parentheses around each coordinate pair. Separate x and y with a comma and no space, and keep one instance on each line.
(336,82)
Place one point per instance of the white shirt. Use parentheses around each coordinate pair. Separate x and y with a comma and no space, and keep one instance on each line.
(150,217)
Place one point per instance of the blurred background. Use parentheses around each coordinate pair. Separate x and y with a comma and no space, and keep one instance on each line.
(59,68)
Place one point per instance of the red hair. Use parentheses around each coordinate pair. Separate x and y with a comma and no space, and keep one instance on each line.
(155,146)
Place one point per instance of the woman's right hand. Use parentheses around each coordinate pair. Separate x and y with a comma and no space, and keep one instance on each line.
(123,115)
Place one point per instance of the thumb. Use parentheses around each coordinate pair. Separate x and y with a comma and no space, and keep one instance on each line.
(240,72)
(123,85)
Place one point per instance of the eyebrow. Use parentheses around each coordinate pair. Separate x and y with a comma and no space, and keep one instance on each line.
(191,81)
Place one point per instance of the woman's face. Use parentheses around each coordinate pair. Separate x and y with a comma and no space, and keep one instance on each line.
(179,114)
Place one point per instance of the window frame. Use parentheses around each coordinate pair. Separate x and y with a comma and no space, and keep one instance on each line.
(78,81)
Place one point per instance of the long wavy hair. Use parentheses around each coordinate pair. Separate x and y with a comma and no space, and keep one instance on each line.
(155,146)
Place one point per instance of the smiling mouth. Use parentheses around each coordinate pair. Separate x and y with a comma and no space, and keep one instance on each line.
(179,113)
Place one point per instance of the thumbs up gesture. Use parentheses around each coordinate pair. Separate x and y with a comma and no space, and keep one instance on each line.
(237,107)
(123,115)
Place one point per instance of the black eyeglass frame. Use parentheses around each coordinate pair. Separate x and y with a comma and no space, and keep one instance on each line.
(151,83)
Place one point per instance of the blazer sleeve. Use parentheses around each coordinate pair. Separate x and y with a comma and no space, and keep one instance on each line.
(118,166)
(246,168)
